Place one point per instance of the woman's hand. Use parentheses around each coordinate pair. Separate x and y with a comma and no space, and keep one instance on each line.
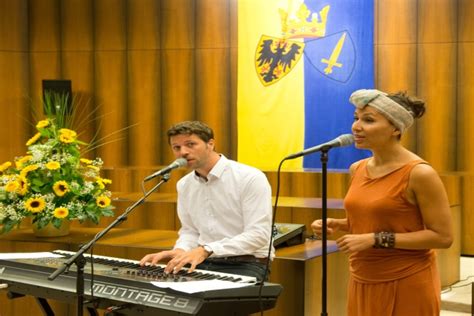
(332,226)
(352,243)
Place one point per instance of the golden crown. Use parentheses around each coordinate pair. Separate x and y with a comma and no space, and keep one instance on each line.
(305,23)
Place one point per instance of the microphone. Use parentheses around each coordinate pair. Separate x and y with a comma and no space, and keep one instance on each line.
(180,162)
(342,140)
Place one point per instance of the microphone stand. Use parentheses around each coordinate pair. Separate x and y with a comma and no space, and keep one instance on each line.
(324,215)
(78,257)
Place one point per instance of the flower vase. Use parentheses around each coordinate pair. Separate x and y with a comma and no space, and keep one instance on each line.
(51,231)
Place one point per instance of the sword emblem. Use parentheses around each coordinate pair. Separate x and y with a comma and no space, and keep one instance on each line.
(332,61)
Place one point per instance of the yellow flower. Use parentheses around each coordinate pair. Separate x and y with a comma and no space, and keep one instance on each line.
(24,171)
(67,136)
(53,165)
(42,124)
(60,188)
(4,166)
(49,184)
(102,201)
(93,167)
(61,212)
(12,186)
(23,185)
(33,139)
(19,163)
(35,204)
(102,182)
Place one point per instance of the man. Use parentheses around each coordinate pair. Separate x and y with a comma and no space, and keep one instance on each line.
(224,207)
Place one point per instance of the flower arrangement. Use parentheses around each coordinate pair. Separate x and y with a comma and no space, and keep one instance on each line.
(52,182)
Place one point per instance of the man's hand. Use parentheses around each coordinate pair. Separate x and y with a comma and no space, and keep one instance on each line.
(154,258)
(193,257)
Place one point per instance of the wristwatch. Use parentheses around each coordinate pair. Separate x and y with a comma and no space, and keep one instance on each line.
(208,249)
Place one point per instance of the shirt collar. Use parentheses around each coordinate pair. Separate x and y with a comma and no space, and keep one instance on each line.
(216,171)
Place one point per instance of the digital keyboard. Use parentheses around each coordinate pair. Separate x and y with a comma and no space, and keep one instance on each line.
(124,285)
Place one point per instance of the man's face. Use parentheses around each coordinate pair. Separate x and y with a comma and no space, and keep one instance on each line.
(193,149)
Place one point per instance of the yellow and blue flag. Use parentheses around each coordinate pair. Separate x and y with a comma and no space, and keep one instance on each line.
(298,63)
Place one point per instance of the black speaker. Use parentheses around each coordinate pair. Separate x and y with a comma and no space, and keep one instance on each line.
(58,90)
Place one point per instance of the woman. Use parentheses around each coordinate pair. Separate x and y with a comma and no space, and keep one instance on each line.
(397,212)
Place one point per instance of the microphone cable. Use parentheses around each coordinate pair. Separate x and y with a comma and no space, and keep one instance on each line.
(272,229)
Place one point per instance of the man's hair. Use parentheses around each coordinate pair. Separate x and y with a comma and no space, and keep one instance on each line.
(197,128)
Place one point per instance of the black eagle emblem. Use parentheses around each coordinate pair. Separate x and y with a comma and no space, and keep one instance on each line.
(276,57)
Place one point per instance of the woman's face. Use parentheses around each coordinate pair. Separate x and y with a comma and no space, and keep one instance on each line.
(371,129)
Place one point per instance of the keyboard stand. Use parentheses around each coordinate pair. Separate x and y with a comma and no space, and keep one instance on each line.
(44,305)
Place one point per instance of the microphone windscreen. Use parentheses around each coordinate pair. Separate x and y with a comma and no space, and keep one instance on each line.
(346,139)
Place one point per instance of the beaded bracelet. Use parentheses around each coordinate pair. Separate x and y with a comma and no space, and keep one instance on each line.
(384,240)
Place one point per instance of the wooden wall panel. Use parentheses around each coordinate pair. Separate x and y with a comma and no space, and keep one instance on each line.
(42,65)
(395,50)
(213,105)
(465,21)
(212,21)
(437,32)
(77,25)
(44,25)
(143,32)
(144,107)
(111,97)
(178,92)
(465,115)
(177,24)
(398,73)
(14,20)
(467,217)
(233,77)
(395,28)
(437,86)
(437,21)
(14,79)
(465,84)
(78,66)
(110,21)
(14,104)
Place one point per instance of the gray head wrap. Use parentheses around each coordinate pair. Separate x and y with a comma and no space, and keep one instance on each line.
(394,112)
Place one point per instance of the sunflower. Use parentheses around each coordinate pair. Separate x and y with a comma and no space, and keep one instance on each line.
(86,161)
(60,212)
(102,201)
(93,167)
(24,171)
(12,186)
(67,136)
(101,182)
(53,165)
(60,188)
(42,124)
(33,139)
(23,185)
(4,166)
(35,204)
(19,163)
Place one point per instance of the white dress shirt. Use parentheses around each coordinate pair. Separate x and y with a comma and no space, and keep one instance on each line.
(231,212)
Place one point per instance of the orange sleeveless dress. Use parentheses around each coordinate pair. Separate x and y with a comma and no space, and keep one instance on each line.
(388,282)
